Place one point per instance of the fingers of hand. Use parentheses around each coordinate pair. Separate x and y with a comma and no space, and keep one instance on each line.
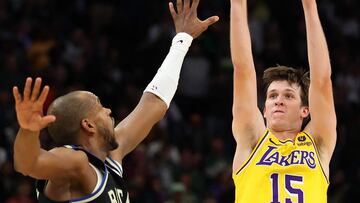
(16,94)
(194,6)
(186,6)
(211,20)
(27,89)
(47,119)
(31,94)
(172,10)
(36,89)
(179,6)
(43,95)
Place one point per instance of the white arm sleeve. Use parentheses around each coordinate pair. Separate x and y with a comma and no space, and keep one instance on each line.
(165,82)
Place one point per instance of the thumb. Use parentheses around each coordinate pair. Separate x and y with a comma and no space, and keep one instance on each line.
(47,119)
(211,20)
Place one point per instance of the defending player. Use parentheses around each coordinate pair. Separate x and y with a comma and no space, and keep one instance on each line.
(88,168)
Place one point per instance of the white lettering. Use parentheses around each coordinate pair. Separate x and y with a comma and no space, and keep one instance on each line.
(119,194)
(112,196)
(115,197)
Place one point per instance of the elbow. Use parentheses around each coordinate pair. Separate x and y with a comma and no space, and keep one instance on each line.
(162,111)
(159,109)
(161,114)
(17,167)
(322,82)
(325,76)
(237,64)
(154,104)
(17,164)
(321,73)
(21,168)
(244,69)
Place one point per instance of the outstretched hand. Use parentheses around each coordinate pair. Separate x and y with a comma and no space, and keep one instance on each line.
(29,106)
(186,20)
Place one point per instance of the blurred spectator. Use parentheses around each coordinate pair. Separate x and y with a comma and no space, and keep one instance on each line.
(23,193)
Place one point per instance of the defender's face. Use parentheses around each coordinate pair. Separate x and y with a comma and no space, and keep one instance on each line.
(105,125)
(283,110)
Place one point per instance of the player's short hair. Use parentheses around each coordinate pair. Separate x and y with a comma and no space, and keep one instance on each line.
(292,76)
(69,111)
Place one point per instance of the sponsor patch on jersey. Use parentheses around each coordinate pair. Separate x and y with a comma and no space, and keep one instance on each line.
(301,138)
(303,141)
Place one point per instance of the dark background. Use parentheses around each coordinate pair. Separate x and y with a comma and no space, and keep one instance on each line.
(114,48)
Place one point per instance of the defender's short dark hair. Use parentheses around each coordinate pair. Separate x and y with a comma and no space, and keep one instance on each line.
(69,111)
(293,76)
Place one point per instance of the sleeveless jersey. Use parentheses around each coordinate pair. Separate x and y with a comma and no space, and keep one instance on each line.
(110,187)
(282,172)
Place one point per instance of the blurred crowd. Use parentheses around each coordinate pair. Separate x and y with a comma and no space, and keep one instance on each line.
(114,48)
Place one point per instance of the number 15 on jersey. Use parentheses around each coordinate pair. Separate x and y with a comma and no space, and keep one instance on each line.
(287,185)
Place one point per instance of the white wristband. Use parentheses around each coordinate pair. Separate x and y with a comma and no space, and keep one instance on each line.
(165,82)
(181,41)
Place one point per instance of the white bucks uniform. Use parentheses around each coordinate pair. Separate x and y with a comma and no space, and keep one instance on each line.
(110,187)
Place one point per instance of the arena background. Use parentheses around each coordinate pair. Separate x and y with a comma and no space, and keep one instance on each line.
(113,48)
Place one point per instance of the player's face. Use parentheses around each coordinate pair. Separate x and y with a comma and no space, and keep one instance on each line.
(109,138)
(105,126)
(283,110)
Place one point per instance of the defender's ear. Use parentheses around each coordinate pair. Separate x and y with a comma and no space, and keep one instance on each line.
(87,125)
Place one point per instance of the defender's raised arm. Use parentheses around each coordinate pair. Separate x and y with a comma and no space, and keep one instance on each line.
(160,91)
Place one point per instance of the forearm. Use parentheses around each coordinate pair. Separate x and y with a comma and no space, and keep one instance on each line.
(240,41)
(319,60)
(241,54)
(155,100)
(165,82)
(26,150)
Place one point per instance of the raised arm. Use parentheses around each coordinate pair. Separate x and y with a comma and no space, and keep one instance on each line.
(159,93)
(322,110)
(247,120)
(29,158)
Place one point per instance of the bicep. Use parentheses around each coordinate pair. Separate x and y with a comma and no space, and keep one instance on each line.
(323,116)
